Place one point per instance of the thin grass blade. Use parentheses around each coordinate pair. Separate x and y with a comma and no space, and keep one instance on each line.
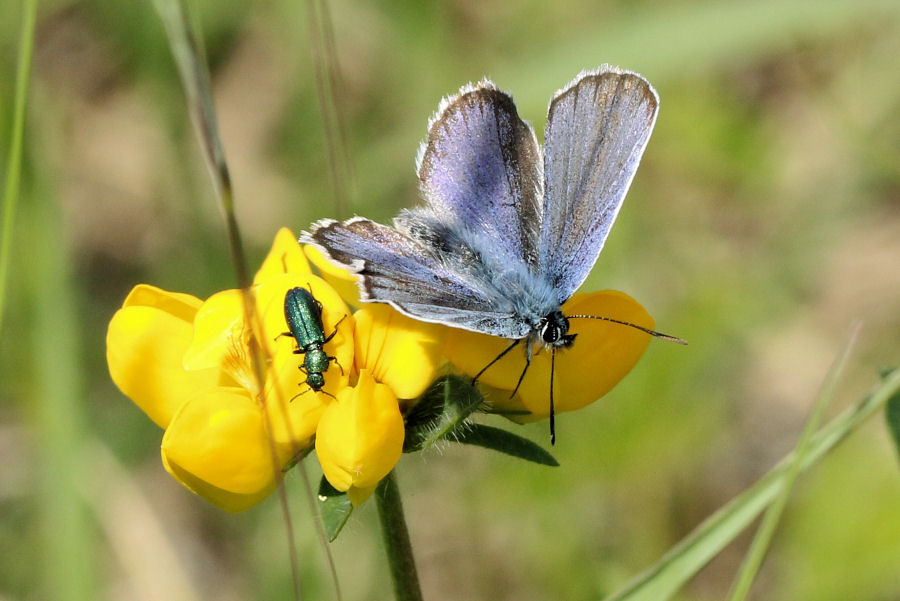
(661,580)
(56,399)
(191,63)
(14,161)
(757,551)
(190,59)
(329,84)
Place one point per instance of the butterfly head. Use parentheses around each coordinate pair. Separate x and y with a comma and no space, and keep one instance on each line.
(553,330)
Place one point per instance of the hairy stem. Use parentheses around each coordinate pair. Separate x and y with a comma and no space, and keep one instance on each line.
(396,541)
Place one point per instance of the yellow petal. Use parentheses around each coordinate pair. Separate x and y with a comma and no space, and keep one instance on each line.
(218,327)
(217,447)
(358,496)
(360,437)
(602,354)
(286,256)
(145,342)
(399,351)
(178,304)
(294,409)
(345,282)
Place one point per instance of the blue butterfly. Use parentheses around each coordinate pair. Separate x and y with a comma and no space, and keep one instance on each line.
(505,235)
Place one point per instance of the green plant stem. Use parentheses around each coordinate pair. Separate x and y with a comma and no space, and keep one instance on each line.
(396,541)
(14,162)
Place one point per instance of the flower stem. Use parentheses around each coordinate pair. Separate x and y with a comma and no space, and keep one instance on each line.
(396,541)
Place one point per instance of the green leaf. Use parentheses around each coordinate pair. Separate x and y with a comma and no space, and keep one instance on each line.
(892,414)
(505,442)
(335,507)
(661,580)
(440,411)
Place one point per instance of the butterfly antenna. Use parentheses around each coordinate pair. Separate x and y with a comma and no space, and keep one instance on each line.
(497,358)
(631,325)
(552,408)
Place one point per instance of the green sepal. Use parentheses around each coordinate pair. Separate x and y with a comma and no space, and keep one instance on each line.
(504,441)
(892,415)
(440,411)
(335,508)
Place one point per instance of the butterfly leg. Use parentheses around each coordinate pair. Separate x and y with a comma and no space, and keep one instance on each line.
(497,358)
(552,409)
(527,365)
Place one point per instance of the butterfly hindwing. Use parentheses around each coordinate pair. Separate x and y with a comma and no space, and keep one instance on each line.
(414,272)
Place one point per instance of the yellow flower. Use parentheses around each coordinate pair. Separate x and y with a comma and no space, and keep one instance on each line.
(189,366)
(360,436)
(602,354)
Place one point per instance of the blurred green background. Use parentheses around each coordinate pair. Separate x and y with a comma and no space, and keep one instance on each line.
(764,219)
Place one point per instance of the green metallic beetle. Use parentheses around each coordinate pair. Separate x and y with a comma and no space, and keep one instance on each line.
(303,314)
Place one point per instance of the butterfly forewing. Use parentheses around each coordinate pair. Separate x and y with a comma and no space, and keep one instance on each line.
(597,129)
(480,170)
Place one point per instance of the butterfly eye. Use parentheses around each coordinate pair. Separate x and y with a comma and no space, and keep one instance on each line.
(554,329)
(550,333)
